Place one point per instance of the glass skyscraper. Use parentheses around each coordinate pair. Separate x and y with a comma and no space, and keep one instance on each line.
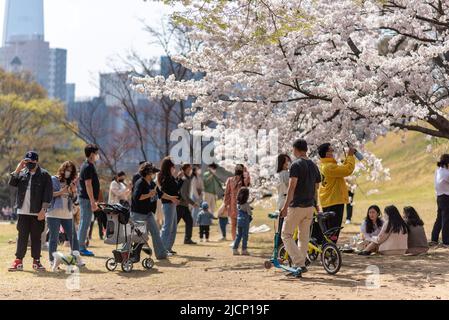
(25,49)
(24,21)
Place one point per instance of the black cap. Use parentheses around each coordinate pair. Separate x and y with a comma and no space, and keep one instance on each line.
(31,156)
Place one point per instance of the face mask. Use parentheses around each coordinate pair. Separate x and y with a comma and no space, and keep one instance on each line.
(67,174)
(31,165)
(97,157)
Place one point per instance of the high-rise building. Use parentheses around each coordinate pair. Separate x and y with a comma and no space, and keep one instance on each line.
(70,94)
(24,21)
(57,74)
(25,49)
(33,56)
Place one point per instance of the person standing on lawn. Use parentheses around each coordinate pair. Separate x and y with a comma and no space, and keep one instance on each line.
(169,185)
(89,193)
(240,179)
(34,195)
(333,192)
(204,221)
(213,187)
(183,210)
(301,200)
(143,207)
(442,191)
(283,176)
(118,190)
(60,212)
(196,190)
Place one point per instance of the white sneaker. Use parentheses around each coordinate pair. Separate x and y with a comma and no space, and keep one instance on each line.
(232,244)
(348,221)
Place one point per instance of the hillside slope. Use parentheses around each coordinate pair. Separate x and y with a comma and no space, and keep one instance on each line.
(412,174)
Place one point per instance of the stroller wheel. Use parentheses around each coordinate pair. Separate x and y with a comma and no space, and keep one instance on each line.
(127,266)
(331,258)
(148,263)
(111,264)
(267,264)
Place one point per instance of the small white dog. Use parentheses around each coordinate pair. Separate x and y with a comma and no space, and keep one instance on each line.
(73,259)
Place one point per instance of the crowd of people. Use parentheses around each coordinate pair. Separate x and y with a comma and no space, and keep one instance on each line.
(303,188)
(63,207)
(67,203)
(7,214)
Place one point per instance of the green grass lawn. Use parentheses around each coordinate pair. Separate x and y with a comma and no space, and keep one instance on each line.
(412,174)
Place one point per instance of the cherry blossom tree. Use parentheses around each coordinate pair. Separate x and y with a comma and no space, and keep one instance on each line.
(324,70)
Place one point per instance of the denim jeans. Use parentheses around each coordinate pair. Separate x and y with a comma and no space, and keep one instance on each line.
(170,225)
(159,249)
(185,214)
(195,211)
(223,221)
(53,228)
(85,220)
(442,221)
(242,232)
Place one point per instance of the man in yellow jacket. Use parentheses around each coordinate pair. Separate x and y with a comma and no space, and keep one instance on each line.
(333,192)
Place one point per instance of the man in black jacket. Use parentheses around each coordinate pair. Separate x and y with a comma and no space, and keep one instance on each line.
(34,194)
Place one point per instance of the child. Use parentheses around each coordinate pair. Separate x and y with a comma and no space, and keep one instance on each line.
(417,240)
(204,220)
(244,218)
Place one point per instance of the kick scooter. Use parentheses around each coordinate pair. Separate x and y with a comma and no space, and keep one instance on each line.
(274,261)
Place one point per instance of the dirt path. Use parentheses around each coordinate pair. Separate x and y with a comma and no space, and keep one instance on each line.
(209,271)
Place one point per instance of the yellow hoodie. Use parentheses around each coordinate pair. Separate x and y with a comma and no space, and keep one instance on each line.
(333,189)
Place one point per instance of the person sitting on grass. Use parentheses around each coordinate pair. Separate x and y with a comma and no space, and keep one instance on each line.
(417,240)
(393,236)
(244,217)
(372,224)
(204,221)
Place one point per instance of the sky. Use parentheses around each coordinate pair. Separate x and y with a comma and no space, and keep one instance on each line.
(95,32)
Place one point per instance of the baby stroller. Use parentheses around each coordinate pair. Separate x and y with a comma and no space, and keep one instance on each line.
(131,235)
